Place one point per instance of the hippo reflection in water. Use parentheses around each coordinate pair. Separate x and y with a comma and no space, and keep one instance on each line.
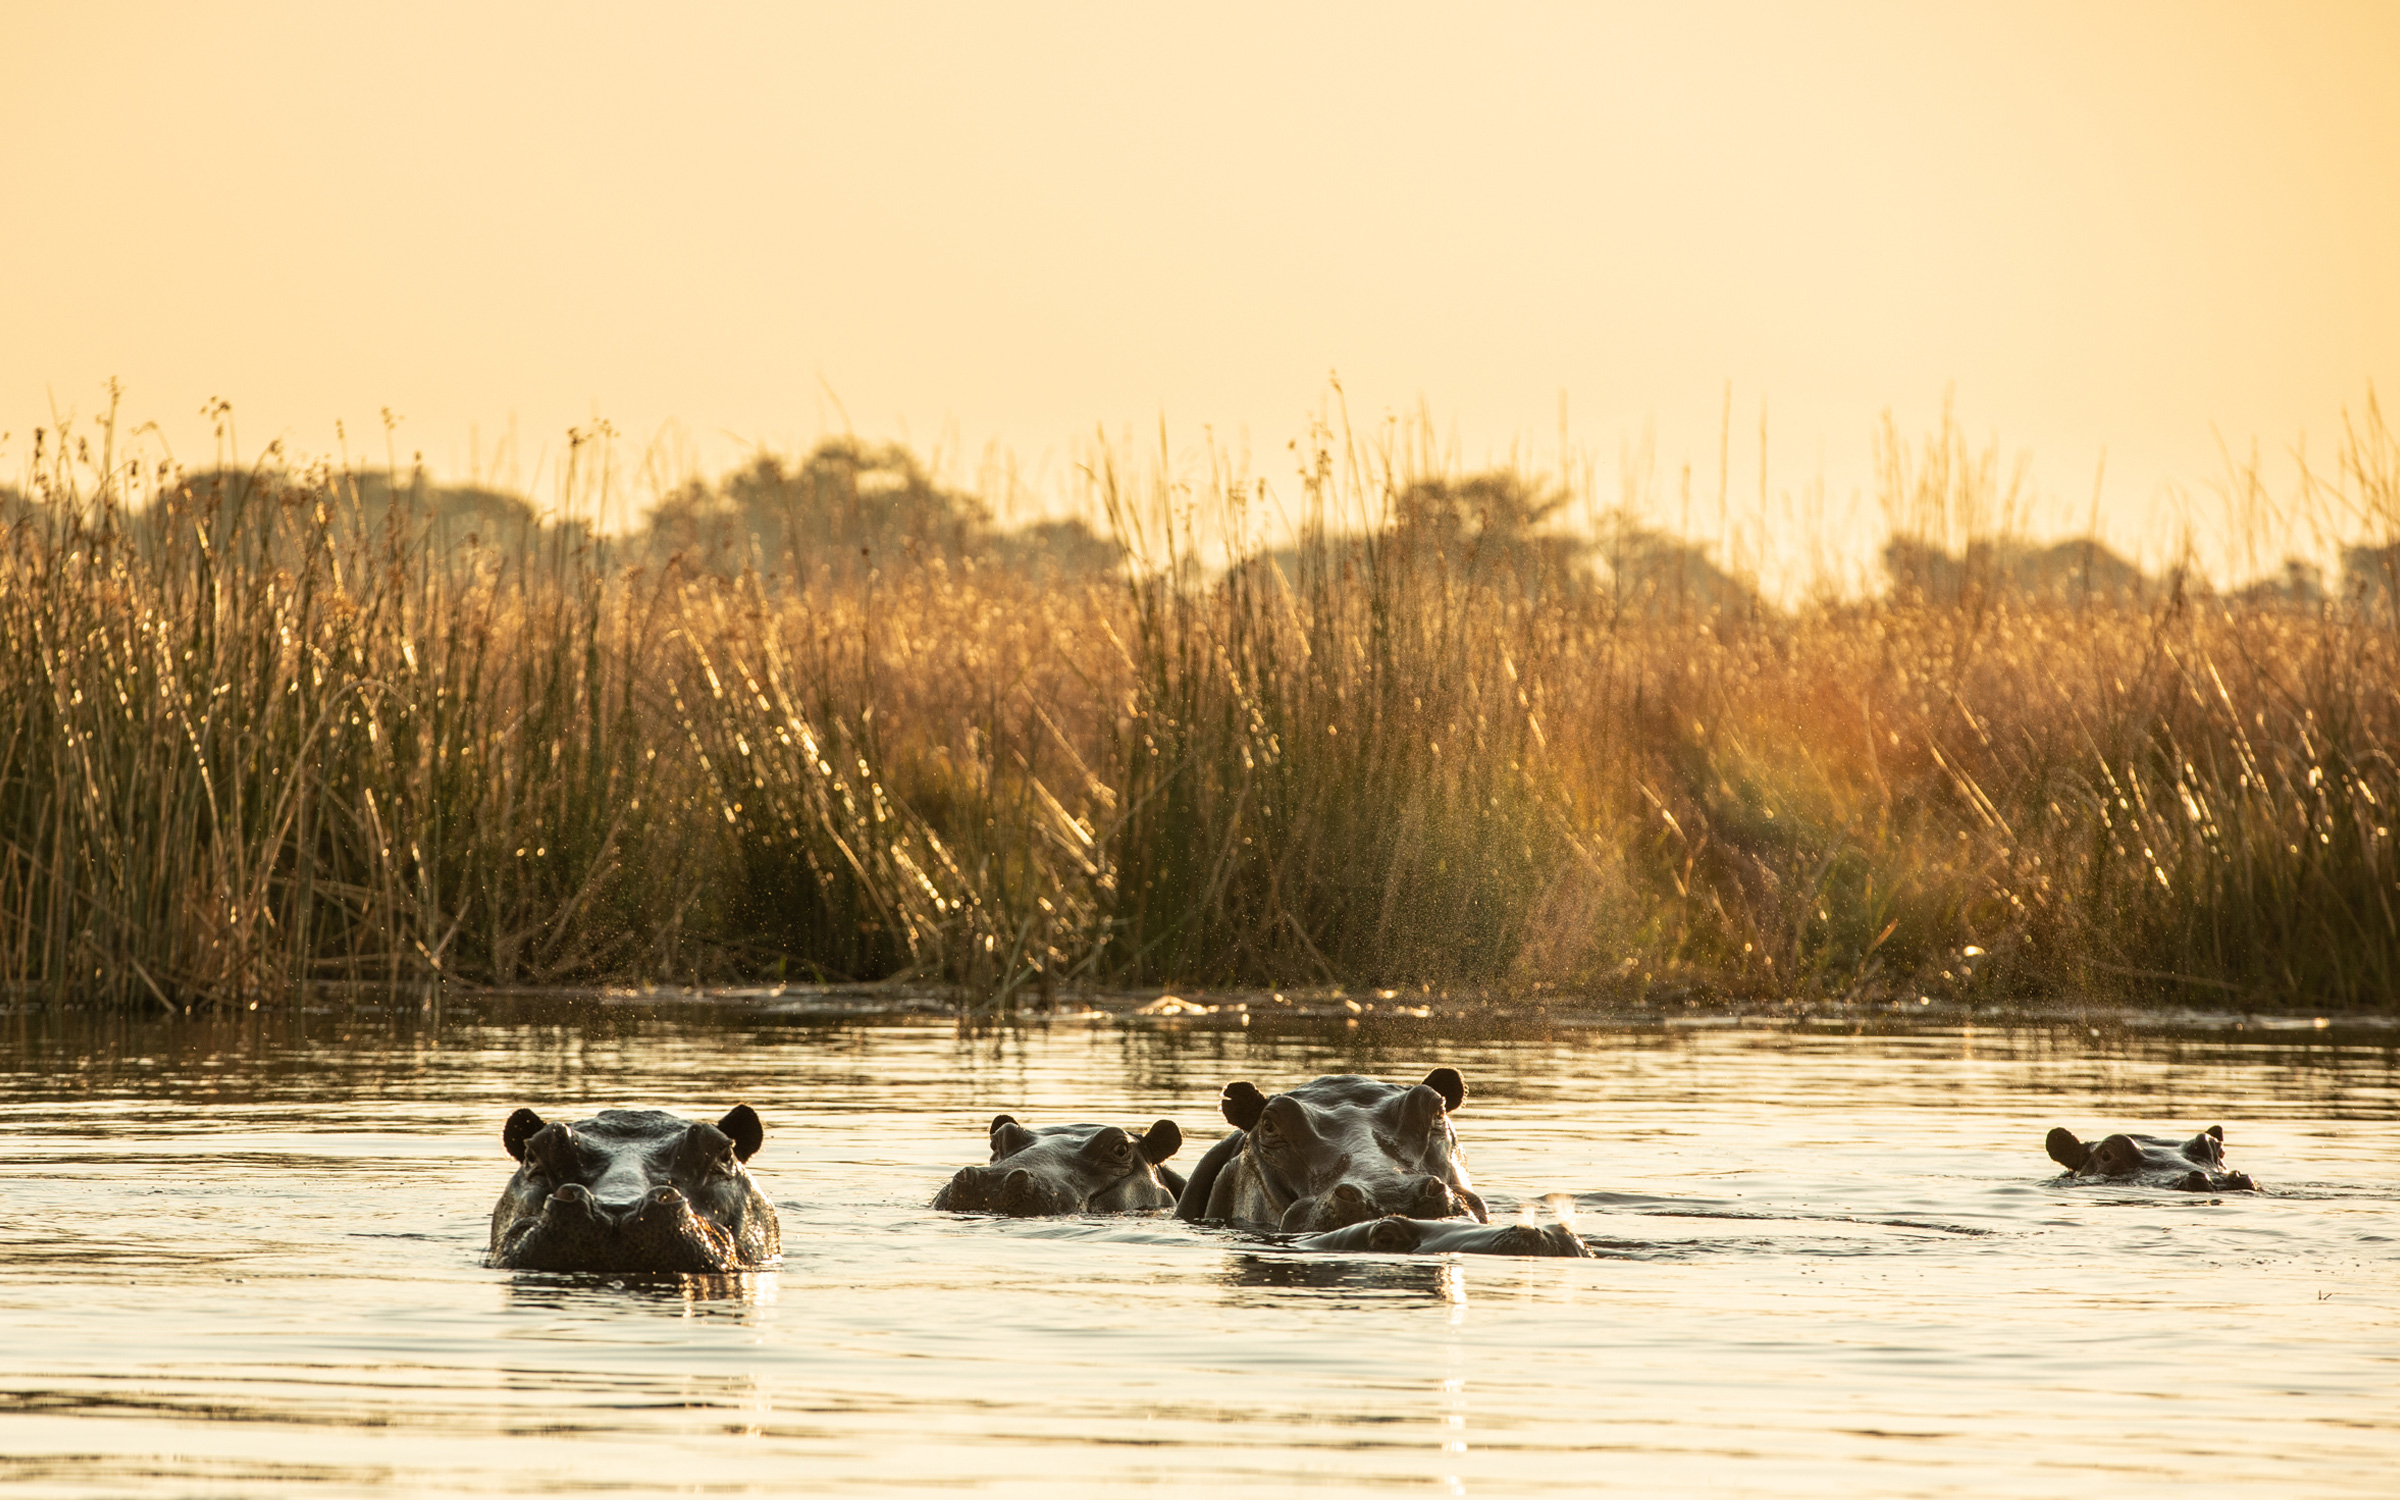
(2196,1165)
(1068,1169)
(1335,1151)
(1396,1235)
(633,1190)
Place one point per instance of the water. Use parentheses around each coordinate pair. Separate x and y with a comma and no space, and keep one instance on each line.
(245,1258)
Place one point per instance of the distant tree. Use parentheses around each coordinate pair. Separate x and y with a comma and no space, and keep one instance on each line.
(277,507)
(368,500)
(2371,574)
(1482,530)
(2300,584)
(1056,551)
(1489,528)
(1658,576)
(1497,530)
(2062,573)
(848,506)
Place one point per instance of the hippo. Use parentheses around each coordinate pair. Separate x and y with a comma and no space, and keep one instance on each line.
(2195,1166)
(633,1190)
(1335,1151)
(1069,1169)
(1394,1234)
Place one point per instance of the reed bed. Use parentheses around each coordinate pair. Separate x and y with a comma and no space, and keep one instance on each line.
(268,734)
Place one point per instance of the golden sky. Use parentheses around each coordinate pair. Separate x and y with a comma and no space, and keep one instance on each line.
(2125,227)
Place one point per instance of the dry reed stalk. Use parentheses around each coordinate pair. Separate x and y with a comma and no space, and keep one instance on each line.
(256,738)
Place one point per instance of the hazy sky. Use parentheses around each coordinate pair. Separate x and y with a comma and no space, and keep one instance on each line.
(2107,226)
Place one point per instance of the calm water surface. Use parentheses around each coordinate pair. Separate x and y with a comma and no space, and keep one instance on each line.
(242,1259)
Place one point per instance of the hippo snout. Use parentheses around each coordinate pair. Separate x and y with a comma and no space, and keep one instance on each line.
(1022,1194)
(1011,1191)
(582,1206)
(1345,1205)
(574,1201)
(1350,1203)
(662,1203)
(573,1204)
(1434,1200)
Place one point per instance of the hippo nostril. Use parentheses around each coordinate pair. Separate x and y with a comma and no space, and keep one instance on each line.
(660,1204)
(1020,1194)
(1348,1195)
(1433,1197)
(573,1201)
(1393,1235)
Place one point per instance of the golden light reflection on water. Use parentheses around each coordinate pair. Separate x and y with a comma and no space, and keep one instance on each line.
(1829,1265)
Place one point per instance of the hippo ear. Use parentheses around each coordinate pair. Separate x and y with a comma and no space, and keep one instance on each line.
(743,1125)
(521,1127)
(1243,1104)
(2067,1151)
(1009,1136)
(1447,1083)
(2219,1132)
(1163,1139)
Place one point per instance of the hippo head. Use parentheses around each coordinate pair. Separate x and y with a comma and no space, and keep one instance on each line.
(633,1190)
(1067,1169)
(1395,1235)
(2196,1165)
(1345,1149)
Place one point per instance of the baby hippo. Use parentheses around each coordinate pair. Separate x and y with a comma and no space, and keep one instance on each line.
(1068,1169)
(633,1190)
(1395,1235)
(2195,1166)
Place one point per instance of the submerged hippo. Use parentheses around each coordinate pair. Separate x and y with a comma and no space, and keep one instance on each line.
(1394,1235)
(1068,1169)
(1335,1151)
(633,1190)
(2196,1165)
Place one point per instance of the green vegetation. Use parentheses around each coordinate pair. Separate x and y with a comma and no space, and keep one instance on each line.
(266,730)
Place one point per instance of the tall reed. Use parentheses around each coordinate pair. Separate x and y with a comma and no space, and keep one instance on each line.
(253,743)
(266,731)
(1331,763)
